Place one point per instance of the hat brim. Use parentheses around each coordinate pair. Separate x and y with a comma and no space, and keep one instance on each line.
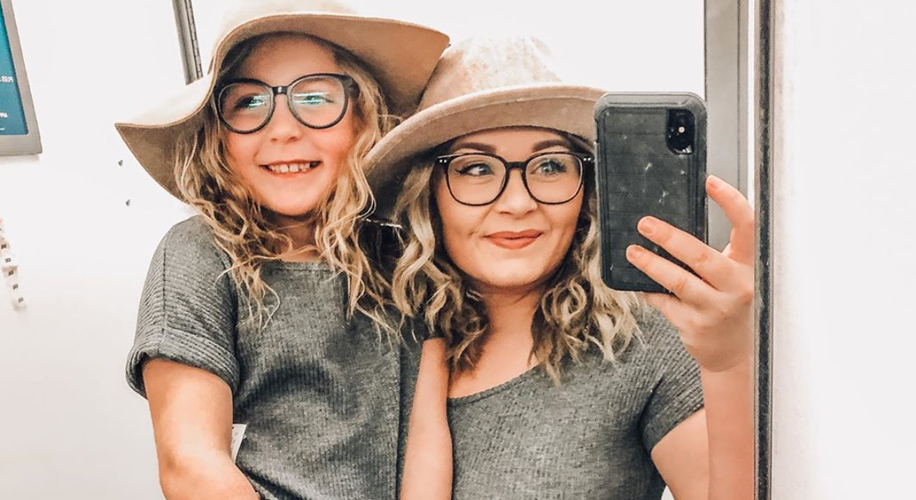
(400,55)
(565,108)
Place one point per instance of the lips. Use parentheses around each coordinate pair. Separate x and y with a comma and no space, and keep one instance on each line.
(514,240)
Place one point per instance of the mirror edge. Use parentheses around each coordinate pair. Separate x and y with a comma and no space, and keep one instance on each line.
(187,40)
(765,27)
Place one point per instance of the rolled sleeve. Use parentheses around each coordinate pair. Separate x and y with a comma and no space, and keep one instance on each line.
(188,308)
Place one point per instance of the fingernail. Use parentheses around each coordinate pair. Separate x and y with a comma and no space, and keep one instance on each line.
(714,182)
(634,252)
(647,226)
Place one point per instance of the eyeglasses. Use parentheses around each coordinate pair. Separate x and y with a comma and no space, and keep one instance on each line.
(478,179)
(318,101)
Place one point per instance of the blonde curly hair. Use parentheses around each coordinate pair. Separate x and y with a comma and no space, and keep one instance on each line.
(576,311)
(242,229)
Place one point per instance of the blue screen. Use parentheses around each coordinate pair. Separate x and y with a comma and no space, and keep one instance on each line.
(12,118)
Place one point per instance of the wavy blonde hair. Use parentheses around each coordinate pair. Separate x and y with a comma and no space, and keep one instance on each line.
(576,311)
(240,225)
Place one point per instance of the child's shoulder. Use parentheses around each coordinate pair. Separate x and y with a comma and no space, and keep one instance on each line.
(192,241)
(190,230)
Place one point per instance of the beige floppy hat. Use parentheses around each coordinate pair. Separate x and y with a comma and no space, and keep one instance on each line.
(400,55)
(481,84)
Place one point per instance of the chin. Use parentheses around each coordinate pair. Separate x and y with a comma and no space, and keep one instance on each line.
(291,210)
(506,279)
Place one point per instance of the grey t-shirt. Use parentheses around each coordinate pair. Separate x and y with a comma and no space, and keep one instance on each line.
(589,437)
(320,395)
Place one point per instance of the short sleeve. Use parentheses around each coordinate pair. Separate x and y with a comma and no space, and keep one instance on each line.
(678,391)
(188,307)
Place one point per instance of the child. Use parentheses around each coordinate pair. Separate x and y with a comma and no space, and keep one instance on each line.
(263,311)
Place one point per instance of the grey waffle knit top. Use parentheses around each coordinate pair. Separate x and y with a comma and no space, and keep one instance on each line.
(320,394)
(589,437)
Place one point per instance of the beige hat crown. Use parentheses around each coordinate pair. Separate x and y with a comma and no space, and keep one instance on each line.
(481,84)
(246,11)
(482,64)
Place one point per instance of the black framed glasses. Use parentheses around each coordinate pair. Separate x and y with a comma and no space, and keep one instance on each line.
(318,101)
(478,179)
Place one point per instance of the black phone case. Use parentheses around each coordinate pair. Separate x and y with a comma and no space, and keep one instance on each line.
(638,174)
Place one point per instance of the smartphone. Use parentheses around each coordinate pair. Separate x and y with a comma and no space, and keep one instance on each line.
(651,160)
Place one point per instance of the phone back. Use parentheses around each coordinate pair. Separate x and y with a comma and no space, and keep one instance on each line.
(651,160)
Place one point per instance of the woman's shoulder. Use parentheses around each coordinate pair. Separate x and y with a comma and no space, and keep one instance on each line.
(653,345)
(654,334)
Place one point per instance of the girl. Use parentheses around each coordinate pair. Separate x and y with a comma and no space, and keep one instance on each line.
(561,387)
(262,310)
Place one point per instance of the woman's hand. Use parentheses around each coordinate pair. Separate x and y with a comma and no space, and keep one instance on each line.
(712,312)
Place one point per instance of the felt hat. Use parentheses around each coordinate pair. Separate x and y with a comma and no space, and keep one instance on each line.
(481,84)
(400,55)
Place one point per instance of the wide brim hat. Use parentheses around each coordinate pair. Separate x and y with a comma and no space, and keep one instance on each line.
(481,84)
(400,55)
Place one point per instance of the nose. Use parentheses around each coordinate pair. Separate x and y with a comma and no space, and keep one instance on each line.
(283,126)
(516,199)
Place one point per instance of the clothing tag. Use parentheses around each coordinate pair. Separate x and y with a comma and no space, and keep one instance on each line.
(238,434)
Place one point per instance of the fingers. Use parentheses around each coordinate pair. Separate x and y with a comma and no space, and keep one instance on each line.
(713,267)
(739,213)
(677,280)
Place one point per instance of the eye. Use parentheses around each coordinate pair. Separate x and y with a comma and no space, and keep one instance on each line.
(312,99)
(550,166)
(478,169)
(253,101)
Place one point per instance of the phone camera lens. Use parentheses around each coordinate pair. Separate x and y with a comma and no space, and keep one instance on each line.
(681,131)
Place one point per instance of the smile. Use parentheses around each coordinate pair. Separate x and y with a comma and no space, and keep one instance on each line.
(291,168)
(511,240)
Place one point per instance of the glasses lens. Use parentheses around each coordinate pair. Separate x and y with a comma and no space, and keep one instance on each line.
(475,179)
(245,106)
(554,177)
(319,101)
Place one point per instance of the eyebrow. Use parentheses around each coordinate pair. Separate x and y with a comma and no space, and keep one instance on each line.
(486,148)
(489,148)
(551,143)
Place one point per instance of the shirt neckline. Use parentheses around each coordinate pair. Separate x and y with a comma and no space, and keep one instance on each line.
(314,265)
(496,389)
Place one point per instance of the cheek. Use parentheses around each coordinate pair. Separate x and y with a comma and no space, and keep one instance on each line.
(336,144)
(240,152)
(566,219)
(458,224)
(238,148)
(341,138)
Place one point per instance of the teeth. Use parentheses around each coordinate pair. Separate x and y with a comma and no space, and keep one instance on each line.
(293,168)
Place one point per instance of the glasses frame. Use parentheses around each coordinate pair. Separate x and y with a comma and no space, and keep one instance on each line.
(351,90)
(583,159)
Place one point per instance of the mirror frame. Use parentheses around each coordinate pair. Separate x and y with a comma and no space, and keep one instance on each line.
(731,41)
(764,148)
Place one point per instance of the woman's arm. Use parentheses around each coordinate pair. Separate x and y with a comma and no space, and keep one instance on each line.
(710,454)
(428,459)
(192,422)
(714,316)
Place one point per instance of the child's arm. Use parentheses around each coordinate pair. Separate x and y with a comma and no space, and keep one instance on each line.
(428,459)
(192,422)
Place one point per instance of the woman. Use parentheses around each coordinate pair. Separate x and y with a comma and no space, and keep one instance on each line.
(561,387)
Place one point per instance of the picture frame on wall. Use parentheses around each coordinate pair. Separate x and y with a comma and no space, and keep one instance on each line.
(18,125)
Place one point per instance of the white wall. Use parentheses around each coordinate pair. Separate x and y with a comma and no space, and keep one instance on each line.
(844,259)
(69,425)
